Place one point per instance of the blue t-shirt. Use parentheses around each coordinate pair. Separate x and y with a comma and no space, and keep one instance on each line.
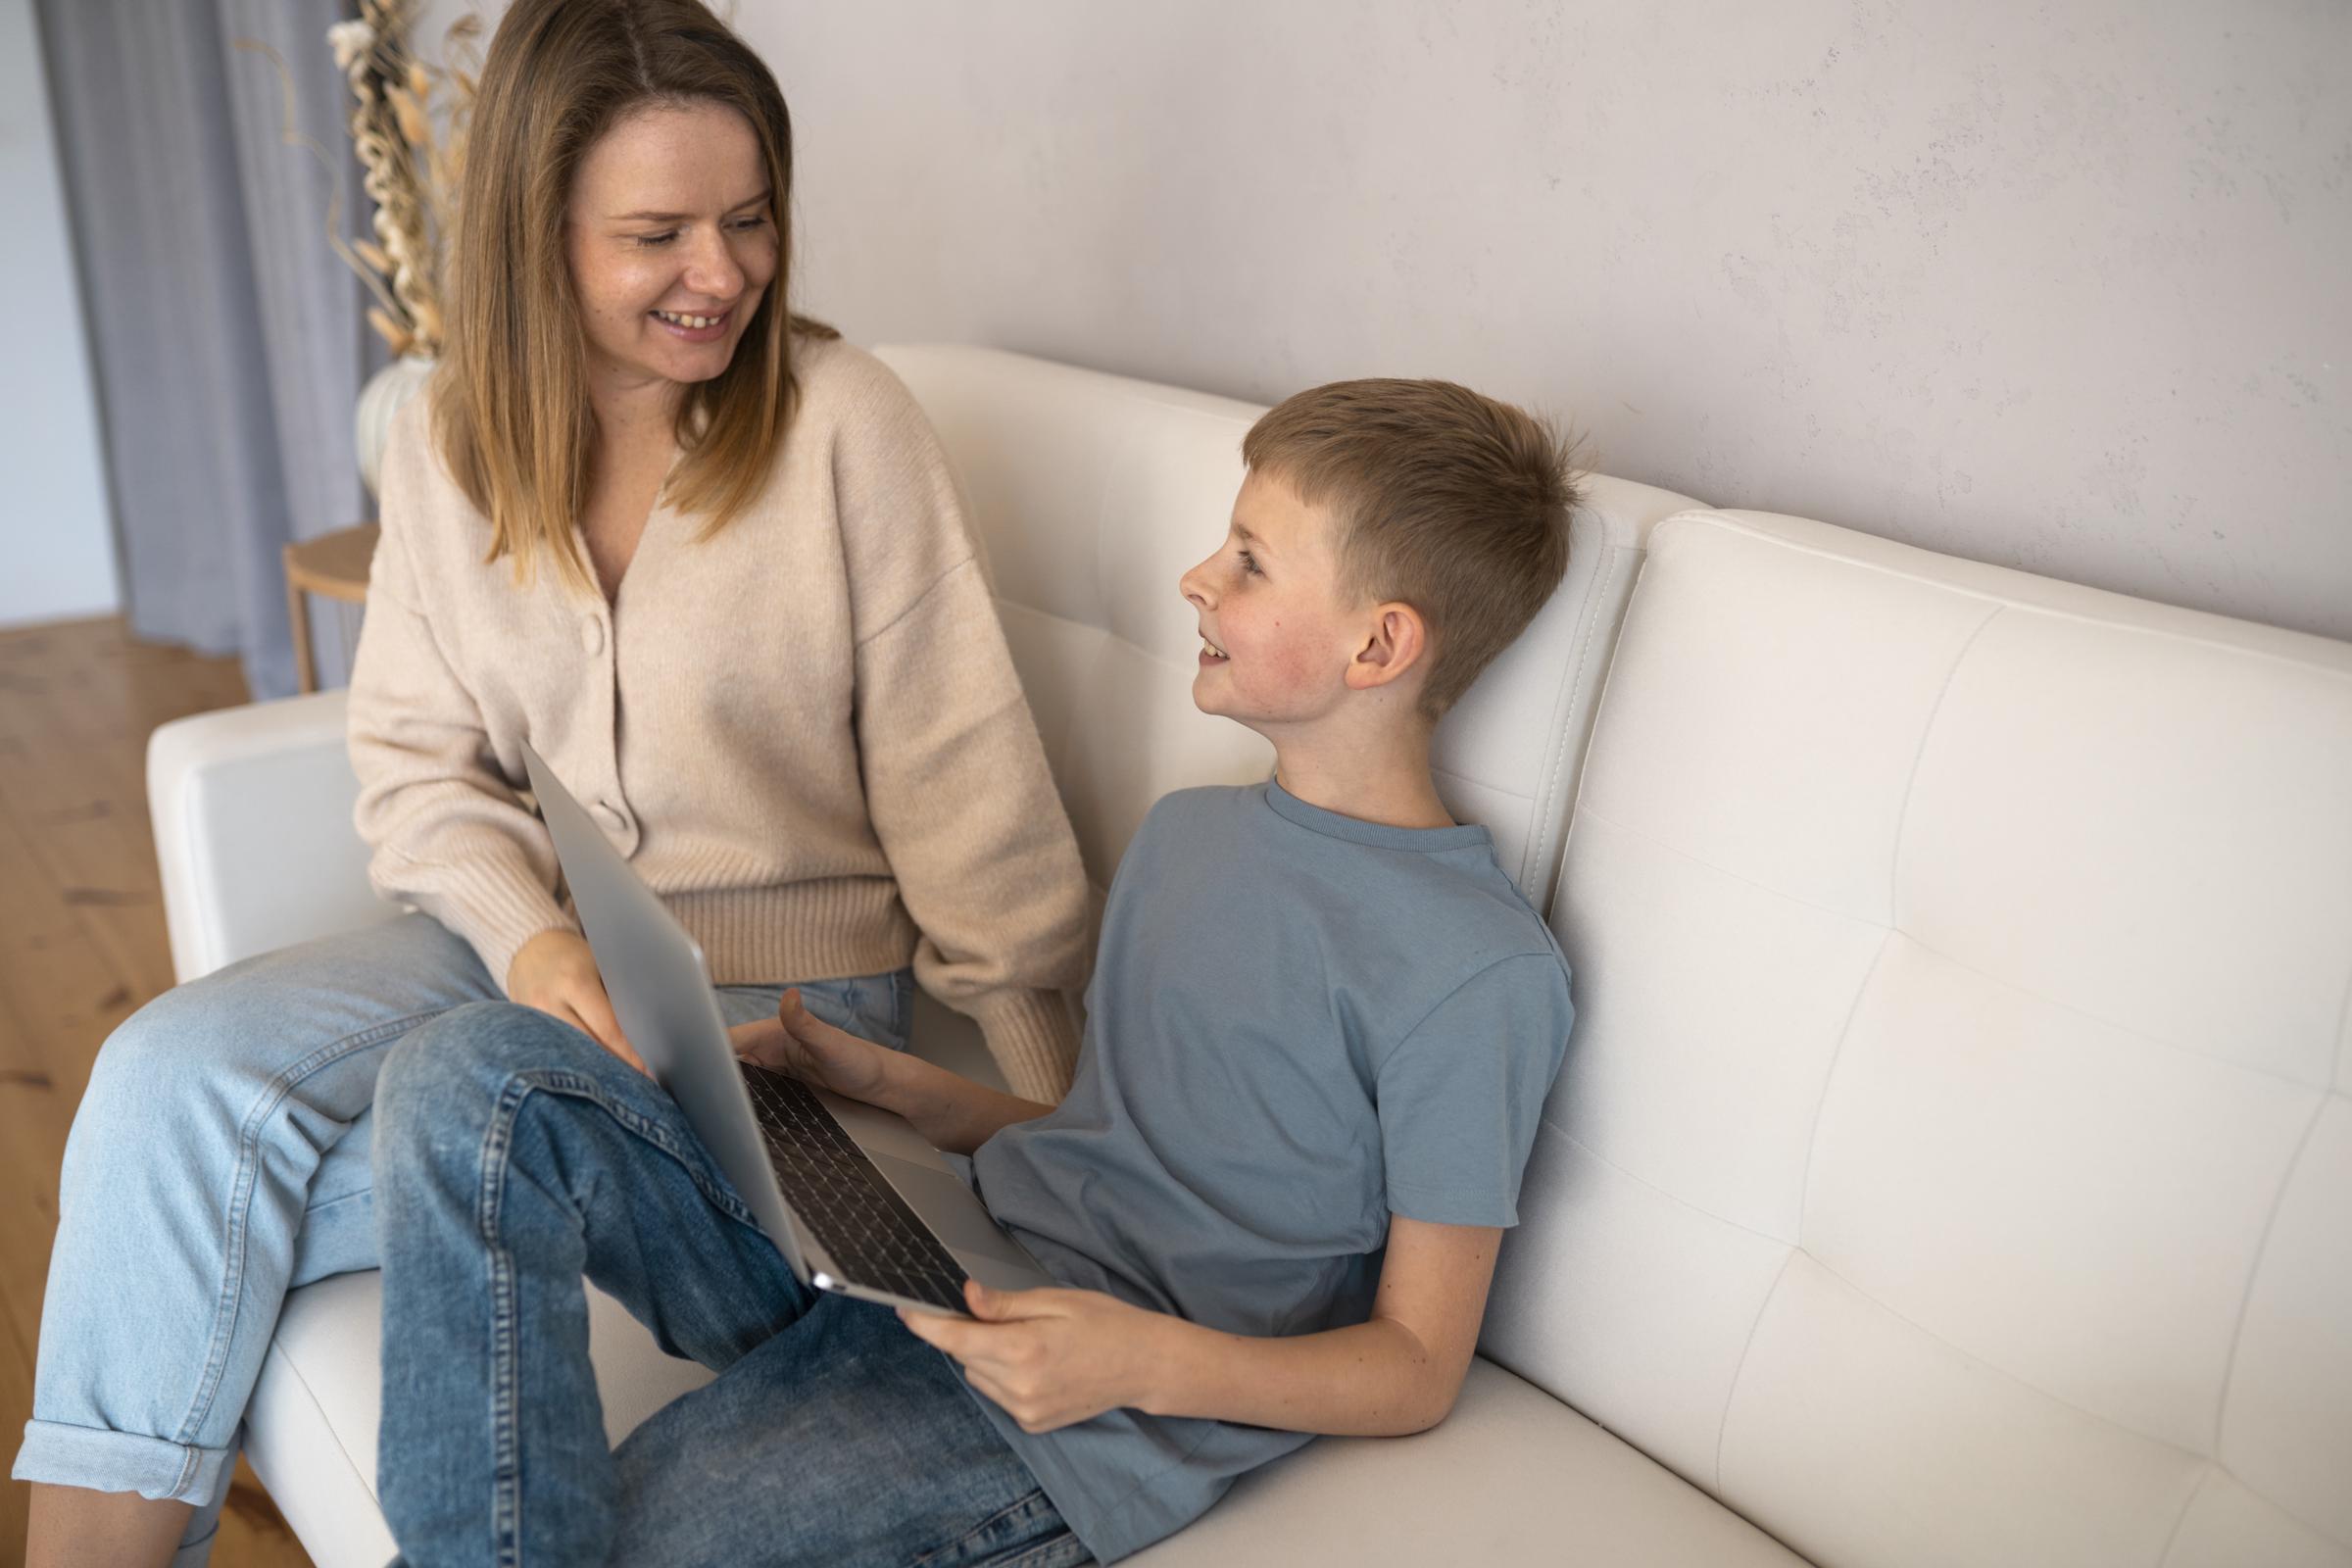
(1299,1024)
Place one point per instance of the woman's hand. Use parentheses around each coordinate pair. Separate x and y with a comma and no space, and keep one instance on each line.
(556,973)
(797,1042)
(1049,1357)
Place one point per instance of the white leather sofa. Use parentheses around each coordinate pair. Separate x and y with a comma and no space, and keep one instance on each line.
(1953,1162)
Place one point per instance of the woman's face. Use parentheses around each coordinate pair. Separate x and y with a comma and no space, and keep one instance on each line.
(670,242)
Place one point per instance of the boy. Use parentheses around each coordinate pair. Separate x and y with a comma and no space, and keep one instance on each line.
(1321,1030)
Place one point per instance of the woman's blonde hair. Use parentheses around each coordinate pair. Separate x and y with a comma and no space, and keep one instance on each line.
(511,413)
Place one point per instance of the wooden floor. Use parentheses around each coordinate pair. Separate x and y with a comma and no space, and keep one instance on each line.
(81,946)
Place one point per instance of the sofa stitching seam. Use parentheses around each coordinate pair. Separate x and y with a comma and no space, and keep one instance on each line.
(1097,521)
(1631,1175)
(1829,1078)
(2343,1036)
(2188,1505)
(2262,1247)
(342,1448)
(1918,754)
(1723,1422)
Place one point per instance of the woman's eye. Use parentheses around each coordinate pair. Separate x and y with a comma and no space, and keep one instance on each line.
(657,239)
(749,223)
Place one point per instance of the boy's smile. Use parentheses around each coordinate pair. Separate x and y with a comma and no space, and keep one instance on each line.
(1276,633)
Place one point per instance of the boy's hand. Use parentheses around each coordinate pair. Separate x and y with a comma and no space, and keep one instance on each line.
(797,1042)
(1047,1358)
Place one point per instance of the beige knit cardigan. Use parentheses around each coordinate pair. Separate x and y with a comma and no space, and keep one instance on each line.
(804,732)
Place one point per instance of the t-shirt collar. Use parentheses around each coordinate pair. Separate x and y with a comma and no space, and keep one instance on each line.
(1378,835)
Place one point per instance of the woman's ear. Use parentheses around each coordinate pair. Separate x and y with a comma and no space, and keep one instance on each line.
(1395,644)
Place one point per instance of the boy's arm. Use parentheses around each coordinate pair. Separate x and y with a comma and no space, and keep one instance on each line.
(1399,1371)
(1052,1357)
(954,1112)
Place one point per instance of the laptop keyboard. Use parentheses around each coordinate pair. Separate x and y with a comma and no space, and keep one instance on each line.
(839,1195)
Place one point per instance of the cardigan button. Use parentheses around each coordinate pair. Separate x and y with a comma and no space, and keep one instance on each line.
(592,636)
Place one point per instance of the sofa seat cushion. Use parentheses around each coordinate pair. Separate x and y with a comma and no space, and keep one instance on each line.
(1513,1476)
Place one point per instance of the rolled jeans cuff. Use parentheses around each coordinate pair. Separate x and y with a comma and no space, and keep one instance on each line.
(61,1456)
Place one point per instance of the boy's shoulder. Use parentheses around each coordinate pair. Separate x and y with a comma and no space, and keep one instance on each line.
(1425,919)
(1186,815)
(1202,800)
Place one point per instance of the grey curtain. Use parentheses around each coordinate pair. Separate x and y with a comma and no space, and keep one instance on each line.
(229,342)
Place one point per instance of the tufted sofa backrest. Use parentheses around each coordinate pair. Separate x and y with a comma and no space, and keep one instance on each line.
(1093,493)
(1953,1162)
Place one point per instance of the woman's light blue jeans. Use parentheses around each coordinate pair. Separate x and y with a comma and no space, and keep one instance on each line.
(220,1157)
(512,1155)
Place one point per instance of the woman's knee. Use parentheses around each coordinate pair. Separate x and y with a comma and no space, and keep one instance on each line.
(309,1014)
(175,1085)
(187,1052)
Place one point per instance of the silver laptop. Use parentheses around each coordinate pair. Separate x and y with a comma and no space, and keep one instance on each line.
(855,1199)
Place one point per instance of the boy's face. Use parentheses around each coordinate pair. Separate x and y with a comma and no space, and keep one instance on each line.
(1278,633)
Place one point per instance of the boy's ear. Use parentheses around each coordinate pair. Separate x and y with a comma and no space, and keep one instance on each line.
(1396,644)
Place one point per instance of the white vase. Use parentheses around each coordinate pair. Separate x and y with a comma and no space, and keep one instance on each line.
(379,400)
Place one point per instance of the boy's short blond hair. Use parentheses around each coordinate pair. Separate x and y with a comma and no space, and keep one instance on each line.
(1449,502)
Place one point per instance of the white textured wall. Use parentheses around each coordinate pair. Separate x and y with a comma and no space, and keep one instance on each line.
(2059,285)
(57,550)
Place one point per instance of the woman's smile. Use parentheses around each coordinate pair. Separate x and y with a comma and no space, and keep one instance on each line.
(693,328)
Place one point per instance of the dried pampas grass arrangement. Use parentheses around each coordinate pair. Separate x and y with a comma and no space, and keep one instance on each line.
(408,126)
(409,163)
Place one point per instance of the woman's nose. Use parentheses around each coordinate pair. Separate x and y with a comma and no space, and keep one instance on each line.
(713,270)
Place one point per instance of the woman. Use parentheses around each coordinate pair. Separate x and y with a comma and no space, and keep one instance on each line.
(710,562)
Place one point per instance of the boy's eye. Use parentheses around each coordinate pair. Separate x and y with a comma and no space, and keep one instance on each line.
(1250,565)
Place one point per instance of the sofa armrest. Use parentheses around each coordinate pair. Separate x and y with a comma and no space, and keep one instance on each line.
(252,809)
(253,832)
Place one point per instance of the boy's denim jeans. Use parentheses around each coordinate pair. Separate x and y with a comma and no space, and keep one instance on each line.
(219,1157)
(513,1154)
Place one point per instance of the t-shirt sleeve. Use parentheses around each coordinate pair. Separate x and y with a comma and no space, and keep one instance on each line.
(1459,1097)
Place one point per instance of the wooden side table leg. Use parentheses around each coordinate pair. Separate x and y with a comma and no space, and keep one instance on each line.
(298,616)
